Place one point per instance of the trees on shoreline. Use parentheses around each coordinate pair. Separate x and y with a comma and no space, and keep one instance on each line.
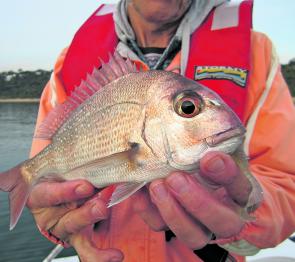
(23,84)
(29,84)
(289,74)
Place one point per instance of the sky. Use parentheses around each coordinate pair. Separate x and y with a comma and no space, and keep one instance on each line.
(33,32)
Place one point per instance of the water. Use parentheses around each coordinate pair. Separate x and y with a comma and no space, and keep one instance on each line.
(24,243)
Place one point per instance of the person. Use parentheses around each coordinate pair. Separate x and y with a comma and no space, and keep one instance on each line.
(177,218)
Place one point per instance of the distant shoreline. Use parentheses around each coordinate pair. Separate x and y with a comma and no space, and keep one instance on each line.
(19,100)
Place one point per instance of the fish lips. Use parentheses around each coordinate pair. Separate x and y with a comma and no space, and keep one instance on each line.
(226,141)
(218,138)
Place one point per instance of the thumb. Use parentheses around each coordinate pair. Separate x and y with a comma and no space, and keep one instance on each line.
(221,169)
(88,252)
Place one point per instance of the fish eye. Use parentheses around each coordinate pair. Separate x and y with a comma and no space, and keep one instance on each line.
(187,105)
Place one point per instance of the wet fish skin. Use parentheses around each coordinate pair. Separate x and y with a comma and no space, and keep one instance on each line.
(132,131)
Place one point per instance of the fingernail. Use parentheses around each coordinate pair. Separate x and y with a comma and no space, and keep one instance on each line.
(82,190)
(178,183)
(159,191)
(215,165)
(97,212)
(116,259)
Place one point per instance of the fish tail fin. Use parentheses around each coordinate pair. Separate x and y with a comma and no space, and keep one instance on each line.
(13,181)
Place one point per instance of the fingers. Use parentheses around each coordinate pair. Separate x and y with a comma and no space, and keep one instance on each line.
(88,252)
(49,194)
(144,207)
(193,211)
(200,204)
(219,168)
(187,229)
(77,219)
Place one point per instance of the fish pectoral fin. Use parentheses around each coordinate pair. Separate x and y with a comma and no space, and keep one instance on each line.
(124,191)
(103,164)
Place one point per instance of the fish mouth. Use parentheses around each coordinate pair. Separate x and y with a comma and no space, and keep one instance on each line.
(226,141)
(225,135)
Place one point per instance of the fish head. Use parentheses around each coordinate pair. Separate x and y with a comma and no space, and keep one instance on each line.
(185,120)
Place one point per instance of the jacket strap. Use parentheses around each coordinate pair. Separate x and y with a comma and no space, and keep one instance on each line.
(219,56)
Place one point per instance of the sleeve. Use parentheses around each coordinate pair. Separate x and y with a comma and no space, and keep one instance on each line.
(270,144)
(52,95)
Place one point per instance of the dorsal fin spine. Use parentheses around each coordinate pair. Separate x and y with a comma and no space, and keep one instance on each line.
(87,85)
(81,92)
(84,88)
(78,94)
(114,69)
(72,101)
(121,63)
(130,66)
(76,97)
(116,66)
(92,83)
(101,79)
(109,72)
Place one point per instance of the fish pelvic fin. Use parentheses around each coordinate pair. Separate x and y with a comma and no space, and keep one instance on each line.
(124,191)
(13,181)
(93,82)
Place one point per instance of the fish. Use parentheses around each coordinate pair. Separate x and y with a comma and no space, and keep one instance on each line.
(126,127)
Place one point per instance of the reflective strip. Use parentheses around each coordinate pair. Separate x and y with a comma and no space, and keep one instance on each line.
(226,15)
(53,99)
(106,9)
(253,118)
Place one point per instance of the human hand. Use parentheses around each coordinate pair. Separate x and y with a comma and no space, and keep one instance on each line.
(196,209)
(68,211)
(88,251)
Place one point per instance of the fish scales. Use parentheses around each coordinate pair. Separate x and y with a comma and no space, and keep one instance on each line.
(104,137)
(137,128)
(101,124)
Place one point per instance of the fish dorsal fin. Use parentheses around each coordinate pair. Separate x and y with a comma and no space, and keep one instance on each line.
(108,72)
